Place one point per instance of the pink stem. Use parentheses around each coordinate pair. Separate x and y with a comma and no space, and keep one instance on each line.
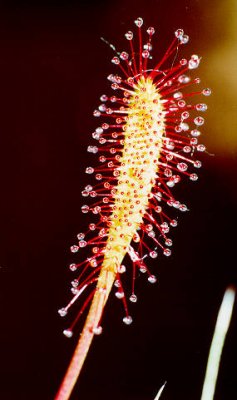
(103,289)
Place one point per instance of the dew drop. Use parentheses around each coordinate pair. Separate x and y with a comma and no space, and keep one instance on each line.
(93,193)
(121,269)
(138,22)
(185,115)
(136,238)
(195,133)
(181,103)
(73,267)
(102,107)
(92,227)
(201,147)
(206,92)
(115,86)
(193,177)
(74,290)
(167,252)
(96,113)
(115,60)
(92,149)
(170,183)
(102,231)
(119,295)
(194,62)
(117,79)
(158,196)
(95,135)
(102,159)
(75,283)
(89,170)
(151,30)
(187,149)
(133,298)
(151,234)
(184,127)
(176,204)
(124,55)
(184,39)
(143,269)
(113,99)
(193,141)
(182,167)
(173,223)
(127,320)
(164,226)
(110,77)
(74,248)
(68,333)
(80,236)
(62,312)
(153,254)
(148,227)
(169,145)
(129,35)
(168,242)
(199,121)
(97,330)
(183,79)
(93,262)
(169,83)
(152,279)
(197,164)
(201,107)
(170,202)
(183,61)
(99,130)
(179,33)
(167,172)
(176,178)
(178,95)
(183,207)
(96,210)
(117,283)
(85,209)
(145,54)
(103,97)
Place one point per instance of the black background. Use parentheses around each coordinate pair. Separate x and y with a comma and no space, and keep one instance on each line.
(53,69)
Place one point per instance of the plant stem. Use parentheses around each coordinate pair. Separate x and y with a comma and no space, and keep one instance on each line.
(103,289)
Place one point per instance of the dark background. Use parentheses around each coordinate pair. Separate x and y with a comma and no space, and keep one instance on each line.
(53,69)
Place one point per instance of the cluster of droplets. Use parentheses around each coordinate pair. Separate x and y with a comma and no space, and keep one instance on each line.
(179,143)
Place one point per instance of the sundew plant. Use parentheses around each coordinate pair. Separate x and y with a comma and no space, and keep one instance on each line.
(147,142)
